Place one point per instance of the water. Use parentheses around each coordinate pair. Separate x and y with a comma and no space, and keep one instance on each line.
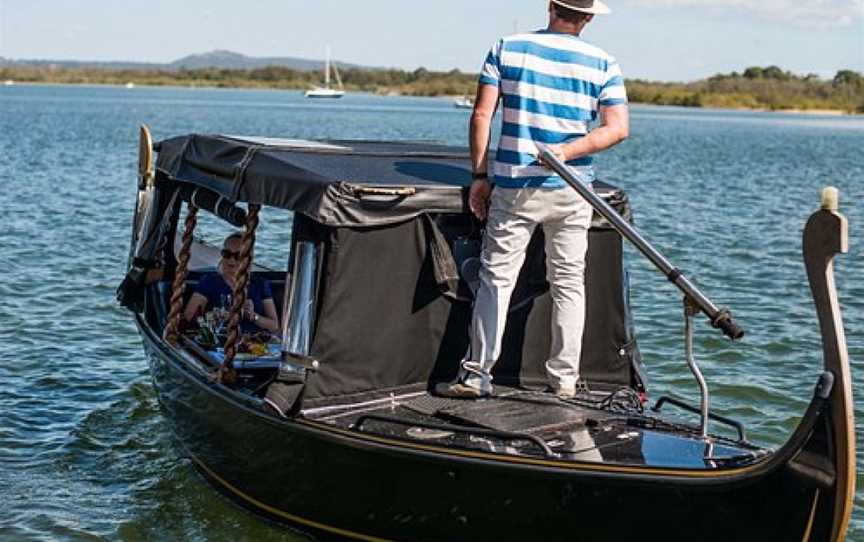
(84,452)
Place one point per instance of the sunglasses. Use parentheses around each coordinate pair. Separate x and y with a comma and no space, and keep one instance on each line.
(230,254)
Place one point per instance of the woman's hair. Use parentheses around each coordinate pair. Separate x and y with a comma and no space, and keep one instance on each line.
(570,15)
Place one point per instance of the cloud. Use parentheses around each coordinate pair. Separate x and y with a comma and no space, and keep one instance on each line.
(809,13)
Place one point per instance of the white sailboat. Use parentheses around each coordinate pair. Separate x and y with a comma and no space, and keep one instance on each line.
(326,91)
(464,102)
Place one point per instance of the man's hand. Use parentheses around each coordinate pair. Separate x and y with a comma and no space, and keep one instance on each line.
(557,150)
(478,198)
(614,130)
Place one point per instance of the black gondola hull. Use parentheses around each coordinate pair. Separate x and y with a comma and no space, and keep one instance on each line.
(337,484)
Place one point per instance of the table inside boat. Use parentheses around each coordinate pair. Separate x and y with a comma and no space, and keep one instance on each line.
(271,360)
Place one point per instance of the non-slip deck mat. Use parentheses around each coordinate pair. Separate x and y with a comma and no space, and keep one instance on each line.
(509,410)
(430,404)
(515,414)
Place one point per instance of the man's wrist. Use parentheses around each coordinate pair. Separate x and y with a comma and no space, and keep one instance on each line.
(480,176)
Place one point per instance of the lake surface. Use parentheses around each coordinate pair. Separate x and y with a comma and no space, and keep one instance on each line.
(84,451)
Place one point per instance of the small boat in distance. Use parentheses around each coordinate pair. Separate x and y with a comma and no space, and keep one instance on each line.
(8,82)
(130,84)
(464,102)
(326,91)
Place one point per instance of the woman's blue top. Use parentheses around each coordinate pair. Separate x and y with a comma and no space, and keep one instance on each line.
(218,294)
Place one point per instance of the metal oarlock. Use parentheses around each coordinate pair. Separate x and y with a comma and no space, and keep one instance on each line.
(691,309)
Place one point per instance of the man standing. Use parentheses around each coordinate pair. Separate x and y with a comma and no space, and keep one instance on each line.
(551,84)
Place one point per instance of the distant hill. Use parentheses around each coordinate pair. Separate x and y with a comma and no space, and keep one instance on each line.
(236,61)
(227,60)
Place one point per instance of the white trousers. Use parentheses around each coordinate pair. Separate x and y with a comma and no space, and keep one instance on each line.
(513,215)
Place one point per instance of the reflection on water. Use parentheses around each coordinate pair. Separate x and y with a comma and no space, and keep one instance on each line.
(84,452)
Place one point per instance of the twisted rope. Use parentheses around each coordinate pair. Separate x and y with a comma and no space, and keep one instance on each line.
(241,281)
(172,333)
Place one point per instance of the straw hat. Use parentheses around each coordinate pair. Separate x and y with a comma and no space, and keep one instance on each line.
(595,7)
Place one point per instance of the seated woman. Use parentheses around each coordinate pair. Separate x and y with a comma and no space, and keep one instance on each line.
(216,290)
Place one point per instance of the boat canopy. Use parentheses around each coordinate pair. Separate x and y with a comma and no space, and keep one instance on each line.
(354,202)
(335,183)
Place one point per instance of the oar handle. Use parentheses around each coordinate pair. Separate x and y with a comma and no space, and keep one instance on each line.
(720,318)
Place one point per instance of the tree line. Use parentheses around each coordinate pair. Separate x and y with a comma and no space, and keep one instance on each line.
(768,88)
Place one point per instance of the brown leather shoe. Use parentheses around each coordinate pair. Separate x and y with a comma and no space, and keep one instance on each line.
(458,390)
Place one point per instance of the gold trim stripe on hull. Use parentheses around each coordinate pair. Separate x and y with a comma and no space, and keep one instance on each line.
(276,512)
(809,529)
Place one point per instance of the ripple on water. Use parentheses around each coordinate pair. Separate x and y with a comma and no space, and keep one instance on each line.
(84,452)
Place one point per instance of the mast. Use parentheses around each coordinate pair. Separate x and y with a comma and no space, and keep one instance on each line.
(336,73)
(327,68)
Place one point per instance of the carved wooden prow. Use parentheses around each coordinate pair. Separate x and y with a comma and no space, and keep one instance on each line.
(146,174)
(827,234)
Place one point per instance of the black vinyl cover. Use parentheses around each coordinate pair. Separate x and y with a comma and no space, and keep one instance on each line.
(329,181)
(393,311)
(323,180)
(386,320)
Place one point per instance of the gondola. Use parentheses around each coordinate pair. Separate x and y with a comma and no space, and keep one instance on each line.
(337,431)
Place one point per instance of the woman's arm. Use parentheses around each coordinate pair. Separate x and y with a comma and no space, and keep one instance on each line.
(269,320)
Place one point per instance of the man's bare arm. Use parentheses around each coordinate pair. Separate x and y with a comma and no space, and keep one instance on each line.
(479,136)
(614,129)
(481,122)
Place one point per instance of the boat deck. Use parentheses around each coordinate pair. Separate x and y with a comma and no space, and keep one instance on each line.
(603,427)
(598,427)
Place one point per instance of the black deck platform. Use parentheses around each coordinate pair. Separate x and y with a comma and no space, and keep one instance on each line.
(594,427)
(514,411)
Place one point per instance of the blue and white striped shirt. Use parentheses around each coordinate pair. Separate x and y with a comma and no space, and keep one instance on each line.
(552,85)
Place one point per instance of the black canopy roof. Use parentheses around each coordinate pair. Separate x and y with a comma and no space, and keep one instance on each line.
(336,183)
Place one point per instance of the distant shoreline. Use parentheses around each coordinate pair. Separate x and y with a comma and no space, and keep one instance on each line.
(811,112)
(389,92)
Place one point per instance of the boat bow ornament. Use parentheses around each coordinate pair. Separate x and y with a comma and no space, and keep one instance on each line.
(826,235)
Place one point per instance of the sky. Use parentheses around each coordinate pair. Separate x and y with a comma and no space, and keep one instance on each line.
(669,40)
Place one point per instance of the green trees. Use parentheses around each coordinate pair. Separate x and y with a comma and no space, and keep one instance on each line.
(850,85)
(758,88)
(771,72)
(848,77)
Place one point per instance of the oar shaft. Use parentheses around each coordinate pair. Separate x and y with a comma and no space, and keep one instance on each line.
(720,318)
